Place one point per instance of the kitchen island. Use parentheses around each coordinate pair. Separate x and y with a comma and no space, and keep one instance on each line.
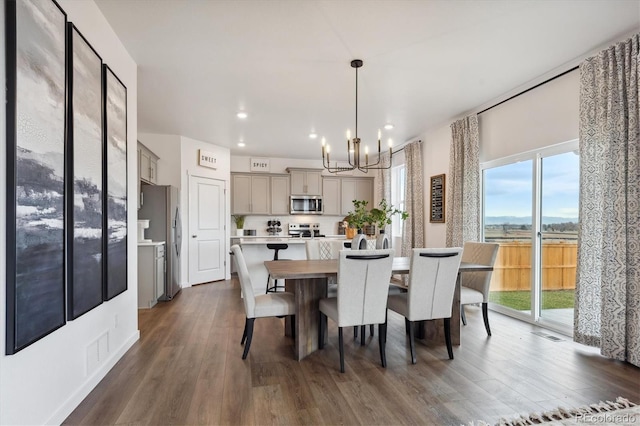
(256,252)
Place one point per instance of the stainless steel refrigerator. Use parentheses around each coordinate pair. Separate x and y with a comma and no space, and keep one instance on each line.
(161,206)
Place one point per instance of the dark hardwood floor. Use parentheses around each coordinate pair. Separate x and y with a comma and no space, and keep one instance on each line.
(187,369)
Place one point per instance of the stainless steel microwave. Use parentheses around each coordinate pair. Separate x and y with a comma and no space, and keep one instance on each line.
(306,204)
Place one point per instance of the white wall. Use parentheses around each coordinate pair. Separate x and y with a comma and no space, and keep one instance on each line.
(44,382)
(242,164)
(189,167)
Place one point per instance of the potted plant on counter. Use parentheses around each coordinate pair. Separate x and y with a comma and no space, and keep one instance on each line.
(382,215)
(239,220)
(359,217)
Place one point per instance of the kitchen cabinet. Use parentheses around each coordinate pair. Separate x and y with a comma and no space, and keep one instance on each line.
(279,195)
(147,165)
(306,181)
(355,189)
(331,195)
(151,273)
(250,194)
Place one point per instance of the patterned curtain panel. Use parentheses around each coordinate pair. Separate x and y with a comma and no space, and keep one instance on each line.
(413,235)
(607,306)
(383,186)
(463,203)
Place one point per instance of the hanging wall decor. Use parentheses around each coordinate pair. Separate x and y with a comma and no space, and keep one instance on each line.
(35,64)
(84,177)
(115,184)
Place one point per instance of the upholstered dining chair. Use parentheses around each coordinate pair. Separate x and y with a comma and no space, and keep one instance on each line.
(363,280)
(475,285)
(262,306)
(318,249)
(432,280)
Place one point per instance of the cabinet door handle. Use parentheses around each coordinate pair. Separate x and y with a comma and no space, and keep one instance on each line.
(141,199)
(194,236)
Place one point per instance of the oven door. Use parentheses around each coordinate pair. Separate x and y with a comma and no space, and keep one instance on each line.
(305,205)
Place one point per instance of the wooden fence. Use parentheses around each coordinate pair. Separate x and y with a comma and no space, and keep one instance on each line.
(512,270)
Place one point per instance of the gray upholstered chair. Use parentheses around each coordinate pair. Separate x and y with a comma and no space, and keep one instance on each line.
(432,280)
(363,280)
(475,285)
(265,305)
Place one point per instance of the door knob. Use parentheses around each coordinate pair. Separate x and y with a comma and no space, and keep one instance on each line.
(194,236)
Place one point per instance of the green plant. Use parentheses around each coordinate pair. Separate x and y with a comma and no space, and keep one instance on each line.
(359,216)
(382,215)
(239,220)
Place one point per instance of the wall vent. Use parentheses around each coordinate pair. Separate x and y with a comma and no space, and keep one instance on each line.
(547,336)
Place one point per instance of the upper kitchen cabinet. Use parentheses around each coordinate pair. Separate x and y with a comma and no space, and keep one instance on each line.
(250,194)
(280,194)
(331,190)
(356,189)
(306,181)
(147,165)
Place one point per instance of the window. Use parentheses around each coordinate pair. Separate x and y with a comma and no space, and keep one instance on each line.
(398,181)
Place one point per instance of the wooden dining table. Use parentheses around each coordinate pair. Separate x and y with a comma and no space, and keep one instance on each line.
(307,280)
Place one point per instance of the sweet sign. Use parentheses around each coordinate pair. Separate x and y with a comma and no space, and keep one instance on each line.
(207,159)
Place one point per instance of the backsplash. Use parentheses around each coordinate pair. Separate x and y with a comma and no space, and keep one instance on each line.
(328,224)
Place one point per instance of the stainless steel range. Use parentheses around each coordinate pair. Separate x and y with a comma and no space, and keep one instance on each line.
(304,230)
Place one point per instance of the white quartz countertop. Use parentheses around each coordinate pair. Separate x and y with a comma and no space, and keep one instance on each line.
(150,243)
(287,240)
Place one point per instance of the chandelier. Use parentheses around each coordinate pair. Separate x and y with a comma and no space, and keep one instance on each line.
(355,162)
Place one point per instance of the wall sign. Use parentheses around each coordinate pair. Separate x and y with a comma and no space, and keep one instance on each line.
(207,159)
(260,165)
(437,199)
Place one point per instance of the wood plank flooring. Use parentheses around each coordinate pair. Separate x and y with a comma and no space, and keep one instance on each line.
(187,369)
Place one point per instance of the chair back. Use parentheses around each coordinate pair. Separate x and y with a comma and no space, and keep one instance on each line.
(245,281)
(323,249)
(432,282)
(363,286)
(481,254)
(382,242)
(359,242)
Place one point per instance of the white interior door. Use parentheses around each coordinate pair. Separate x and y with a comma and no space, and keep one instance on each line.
(206,230)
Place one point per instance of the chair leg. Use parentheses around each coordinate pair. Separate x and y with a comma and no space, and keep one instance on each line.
(485,315)
(406,326)
(341,344)
(268,280)
(321,331)
(382,344)
(447,336)
(371,330)
(355,332)
(362,335)
(249,336)
(412,342)
(462,316)
(293,326)
(244,333)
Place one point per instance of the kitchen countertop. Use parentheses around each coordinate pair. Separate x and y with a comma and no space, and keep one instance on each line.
(288,240)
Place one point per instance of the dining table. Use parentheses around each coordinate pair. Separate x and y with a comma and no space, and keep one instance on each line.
(307,280)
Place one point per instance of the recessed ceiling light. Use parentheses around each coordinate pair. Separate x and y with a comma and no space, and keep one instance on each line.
(313,135)
(241,144)
(242,114)
(388,126)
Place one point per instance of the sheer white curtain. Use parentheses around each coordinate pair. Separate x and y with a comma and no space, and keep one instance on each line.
(607,306)
(413,235)
(463,183)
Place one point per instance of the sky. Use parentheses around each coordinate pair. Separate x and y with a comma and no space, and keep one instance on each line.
(508,189)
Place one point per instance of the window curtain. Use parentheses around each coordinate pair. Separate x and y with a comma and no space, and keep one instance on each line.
(463,183)
(383,186)
(607,304)
(413,233)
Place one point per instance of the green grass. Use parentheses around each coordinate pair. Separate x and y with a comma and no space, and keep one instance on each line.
(521,300)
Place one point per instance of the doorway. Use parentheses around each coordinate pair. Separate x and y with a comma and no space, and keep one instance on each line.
(207,233)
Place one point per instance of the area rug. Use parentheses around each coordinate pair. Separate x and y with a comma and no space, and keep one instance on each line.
(620,412)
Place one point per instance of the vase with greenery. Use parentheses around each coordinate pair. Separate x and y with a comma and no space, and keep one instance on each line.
(382,216)
(239,220)
(359,216)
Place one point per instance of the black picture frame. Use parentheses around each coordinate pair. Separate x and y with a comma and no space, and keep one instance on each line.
(437,199)
(36,139)
(85,151)
(115,184)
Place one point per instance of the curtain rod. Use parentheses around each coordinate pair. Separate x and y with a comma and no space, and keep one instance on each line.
(403,146)
(530,88)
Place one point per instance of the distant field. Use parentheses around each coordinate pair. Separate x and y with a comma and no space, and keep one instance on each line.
(499,235)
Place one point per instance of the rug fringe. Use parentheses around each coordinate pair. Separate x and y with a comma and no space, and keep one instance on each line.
(560,413)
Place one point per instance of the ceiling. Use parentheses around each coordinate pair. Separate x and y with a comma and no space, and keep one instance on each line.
(287,63)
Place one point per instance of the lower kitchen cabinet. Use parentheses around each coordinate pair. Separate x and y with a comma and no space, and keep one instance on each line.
(151,273)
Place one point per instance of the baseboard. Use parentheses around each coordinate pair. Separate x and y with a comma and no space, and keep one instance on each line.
(74,400)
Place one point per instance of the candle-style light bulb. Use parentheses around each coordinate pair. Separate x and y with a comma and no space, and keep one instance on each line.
(366,155)
(390,143)
(328,150)
(348,134)
(379,134)
(324,141)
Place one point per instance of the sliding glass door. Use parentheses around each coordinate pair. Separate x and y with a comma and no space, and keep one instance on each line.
(530,205)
